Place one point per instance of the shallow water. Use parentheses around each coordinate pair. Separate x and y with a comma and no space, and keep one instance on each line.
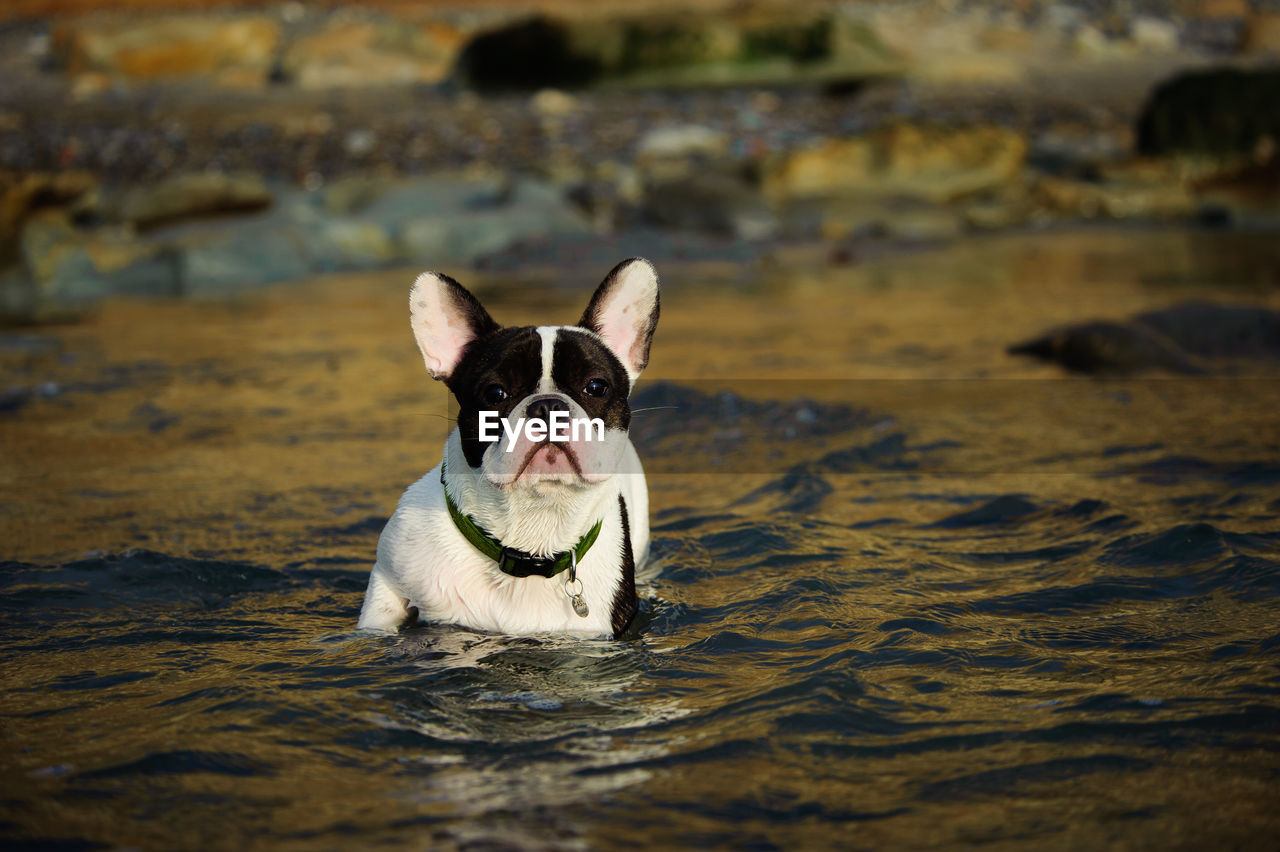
(912,592)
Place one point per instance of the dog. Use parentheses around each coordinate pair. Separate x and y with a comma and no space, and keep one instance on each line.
(525,528)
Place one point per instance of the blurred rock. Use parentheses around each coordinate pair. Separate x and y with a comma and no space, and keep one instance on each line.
(1117,198)
(1262,34)
(20,194)
(347,53)
(937,164)
(1154,35)
(553,103)
(1193,338)
(683,140)
(341,245)
(356,224)
(67,269)
(901,218)
(1248,196)
(713,202)
(237,50)
(191,196)
(521,212)
(747,45)
(235,257)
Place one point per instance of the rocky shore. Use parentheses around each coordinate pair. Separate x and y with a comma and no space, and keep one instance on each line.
(202,152)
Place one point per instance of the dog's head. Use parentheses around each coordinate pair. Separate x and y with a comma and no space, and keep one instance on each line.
(543,405)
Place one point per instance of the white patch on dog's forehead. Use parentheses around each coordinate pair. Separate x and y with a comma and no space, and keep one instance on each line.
(548,335)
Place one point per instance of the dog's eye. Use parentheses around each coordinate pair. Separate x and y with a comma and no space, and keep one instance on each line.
(596,387)
(494,394)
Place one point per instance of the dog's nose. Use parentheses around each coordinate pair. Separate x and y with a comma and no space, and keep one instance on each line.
(542,407)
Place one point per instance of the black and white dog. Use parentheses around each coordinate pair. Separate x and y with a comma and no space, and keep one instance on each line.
(537,516)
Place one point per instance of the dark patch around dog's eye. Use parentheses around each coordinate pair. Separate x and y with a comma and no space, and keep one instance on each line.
(510,360)
(578,360)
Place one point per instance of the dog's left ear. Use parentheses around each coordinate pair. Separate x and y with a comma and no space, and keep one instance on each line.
(624,312)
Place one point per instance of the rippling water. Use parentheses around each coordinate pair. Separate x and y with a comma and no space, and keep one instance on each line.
(1037,632)
(1015,669)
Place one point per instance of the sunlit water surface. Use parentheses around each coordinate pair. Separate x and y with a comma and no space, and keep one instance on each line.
(1026,610)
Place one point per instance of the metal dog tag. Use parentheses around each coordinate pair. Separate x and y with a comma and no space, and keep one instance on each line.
(575,597)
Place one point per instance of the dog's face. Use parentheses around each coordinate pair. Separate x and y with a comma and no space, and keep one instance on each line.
(547,405)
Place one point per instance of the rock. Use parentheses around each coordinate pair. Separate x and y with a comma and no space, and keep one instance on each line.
(247,254)
(996,214)
(46,238)
(1248,196)
(20,194)
(1114,199)
(1224,113)
(67,269)
(348,53)
(553,103)
(1262,34)
(1155,35)
(933,163)
(523,213)
(902,218)
(233,49)
(684,140)
(392,203)
(193,195)
(712,202)
(1218,9)
(1107,347)
(340,245)
(750,45)
(1194,338)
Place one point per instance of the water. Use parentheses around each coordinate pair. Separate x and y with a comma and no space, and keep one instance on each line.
(933,607)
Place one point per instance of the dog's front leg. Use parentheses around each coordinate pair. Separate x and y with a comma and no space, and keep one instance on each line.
(384,608)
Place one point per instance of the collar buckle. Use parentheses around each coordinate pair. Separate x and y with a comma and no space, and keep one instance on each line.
(517,563)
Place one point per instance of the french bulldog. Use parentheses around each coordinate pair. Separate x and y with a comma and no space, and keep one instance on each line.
(537,516)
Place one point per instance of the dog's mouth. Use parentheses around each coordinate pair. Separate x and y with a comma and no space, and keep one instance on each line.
(553,453)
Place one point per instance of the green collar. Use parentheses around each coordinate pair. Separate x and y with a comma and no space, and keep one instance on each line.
(517,563)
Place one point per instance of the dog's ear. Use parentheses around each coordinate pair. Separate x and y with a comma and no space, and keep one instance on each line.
(445,318)
(624,312)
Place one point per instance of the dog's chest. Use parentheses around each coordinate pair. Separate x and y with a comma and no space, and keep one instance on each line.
(471,590)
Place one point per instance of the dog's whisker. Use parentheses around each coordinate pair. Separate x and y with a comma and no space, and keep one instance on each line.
(431,414)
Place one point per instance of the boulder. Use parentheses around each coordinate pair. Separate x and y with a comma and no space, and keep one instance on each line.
(1246,196)
(1193,337)
(348,53)
(745,46)
(1123,198)
(66,269)
(1262,34)
(524,212)
(933,163)
(243,255)
(713,202)
(190,196)
(682,140)
(23,193)
(232,49)
(340,245)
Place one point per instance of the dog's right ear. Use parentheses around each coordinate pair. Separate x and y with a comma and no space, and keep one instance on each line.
(445,318)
